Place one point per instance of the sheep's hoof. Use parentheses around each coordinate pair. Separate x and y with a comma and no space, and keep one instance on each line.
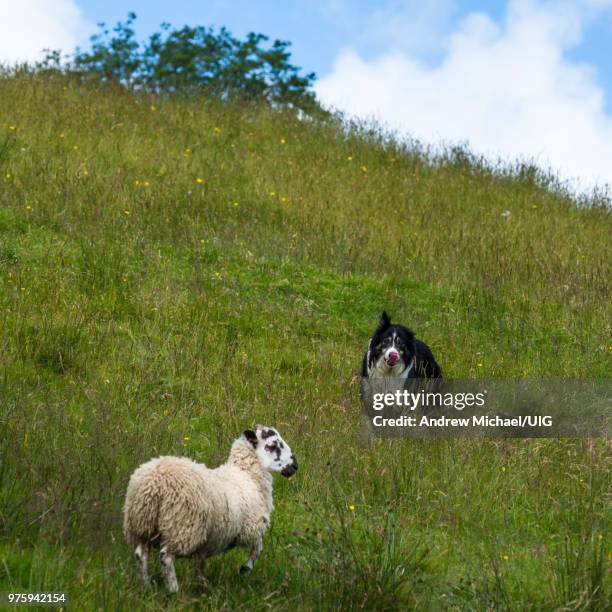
(245,569)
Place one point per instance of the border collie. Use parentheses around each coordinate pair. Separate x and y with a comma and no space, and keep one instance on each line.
(394,352)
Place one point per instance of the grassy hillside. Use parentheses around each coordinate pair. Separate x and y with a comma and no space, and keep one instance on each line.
(174,272)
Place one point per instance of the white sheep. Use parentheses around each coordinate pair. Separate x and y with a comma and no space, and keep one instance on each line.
(188,509)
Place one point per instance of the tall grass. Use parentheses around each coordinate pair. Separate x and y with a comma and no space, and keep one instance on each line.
(174,271)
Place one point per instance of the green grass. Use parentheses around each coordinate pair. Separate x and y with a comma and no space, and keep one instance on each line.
(145,312)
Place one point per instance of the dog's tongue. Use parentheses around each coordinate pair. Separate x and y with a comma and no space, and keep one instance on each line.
(392,359)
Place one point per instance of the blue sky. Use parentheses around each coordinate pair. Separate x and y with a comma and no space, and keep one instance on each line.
(525,79)
(319,29)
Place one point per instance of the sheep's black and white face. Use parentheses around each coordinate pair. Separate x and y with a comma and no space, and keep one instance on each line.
(273,452)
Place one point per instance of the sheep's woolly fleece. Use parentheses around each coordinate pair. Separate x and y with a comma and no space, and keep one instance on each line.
(192,508)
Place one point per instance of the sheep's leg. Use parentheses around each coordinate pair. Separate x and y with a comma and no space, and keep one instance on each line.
(167,563)
(142,554)
(199,563)
(255,552)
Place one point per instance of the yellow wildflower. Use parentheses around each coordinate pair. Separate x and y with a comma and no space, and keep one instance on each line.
(351,507)
(199,180)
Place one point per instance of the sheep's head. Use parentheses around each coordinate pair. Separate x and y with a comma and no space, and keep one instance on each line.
(273,452)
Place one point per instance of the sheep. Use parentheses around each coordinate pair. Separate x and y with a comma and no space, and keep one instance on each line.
(189,510)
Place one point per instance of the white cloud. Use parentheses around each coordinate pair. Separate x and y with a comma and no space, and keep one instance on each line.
(505,88)
(413,25)
(29,26)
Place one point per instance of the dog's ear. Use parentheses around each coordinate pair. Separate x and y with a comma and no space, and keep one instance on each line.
(251,437)
(384,321)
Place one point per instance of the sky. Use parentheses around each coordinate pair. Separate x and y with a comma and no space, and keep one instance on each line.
(513,79)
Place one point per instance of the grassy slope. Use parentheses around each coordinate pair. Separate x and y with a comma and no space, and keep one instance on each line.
(144,312)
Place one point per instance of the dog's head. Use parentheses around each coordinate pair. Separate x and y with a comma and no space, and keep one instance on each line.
(273,452)
(391,349)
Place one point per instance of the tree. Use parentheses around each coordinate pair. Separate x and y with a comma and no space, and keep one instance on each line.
(192,59)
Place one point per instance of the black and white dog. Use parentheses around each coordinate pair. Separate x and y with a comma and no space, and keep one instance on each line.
(394,352)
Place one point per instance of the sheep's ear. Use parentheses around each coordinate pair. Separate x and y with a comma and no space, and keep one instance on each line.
(251,437)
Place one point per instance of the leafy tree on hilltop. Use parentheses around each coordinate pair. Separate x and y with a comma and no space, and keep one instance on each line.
(194,58)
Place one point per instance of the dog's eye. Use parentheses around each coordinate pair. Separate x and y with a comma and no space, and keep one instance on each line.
(399,342)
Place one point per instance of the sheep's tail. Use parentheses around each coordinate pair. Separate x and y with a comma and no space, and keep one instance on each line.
(141,510)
